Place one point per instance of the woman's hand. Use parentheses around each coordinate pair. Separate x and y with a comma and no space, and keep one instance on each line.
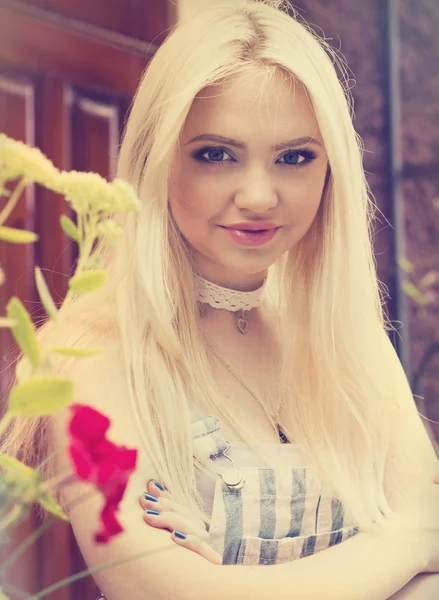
(187,531)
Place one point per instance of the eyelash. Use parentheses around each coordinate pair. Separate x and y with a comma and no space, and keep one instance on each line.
(309,156)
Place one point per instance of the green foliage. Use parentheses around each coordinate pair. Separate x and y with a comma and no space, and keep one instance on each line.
(17,236)
(24,331)
(87,282)
(70,228)
(45,296)
(40,396)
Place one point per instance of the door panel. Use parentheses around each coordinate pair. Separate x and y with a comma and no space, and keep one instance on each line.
(68,72)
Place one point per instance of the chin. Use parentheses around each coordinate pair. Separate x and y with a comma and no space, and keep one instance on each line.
(246,268)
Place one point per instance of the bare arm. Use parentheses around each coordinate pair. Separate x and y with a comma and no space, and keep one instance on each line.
(424,586)
(362,568)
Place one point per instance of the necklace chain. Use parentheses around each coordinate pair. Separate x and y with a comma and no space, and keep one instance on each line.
(244,385)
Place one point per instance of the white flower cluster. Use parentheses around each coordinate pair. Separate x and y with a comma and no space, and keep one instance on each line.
(17,160)
(85,192)
(89,192)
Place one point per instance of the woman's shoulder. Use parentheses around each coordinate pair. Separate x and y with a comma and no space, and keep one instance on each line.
(99,382)
(102,361)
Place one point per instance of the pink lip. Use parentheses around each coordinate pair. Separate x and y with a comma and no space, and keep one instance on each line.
(251,238)
(251,226)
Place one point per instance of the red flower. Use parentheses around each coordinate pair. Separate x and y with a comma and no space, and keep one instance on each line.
(101,462)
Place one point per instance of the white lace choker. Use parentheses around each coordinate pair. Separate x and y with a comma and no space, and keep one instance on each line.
(232,300)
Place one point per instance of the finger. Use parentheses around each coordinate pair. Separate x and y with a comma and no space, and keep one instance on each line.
(148,500)
(172,520)
(157,488)
(197,545)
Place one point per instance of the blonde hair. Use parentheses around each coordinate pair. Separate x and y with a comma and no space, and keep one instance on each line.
(326,287)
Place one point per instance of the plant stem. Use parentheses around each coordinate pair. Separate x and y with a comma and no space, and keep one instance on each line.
(10,204)
(4,422)
(58,481)
(84,252)
(46,460)
(11,589)
(30,539)
(37,533)
(113,563)
(11,516)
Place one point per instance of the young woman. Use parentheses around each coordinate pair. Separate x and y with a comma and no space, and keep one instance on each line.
(247,355)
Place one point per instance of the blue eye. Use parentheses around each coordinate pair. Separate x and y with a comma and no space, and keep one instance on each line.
(215,155)
(291,157)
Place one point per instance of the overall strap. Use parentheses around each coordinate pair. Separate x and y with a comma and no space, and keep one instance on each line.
(208,440)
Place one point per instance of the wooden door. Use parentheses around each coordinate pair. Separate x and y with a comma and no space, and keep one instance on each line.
(68,72)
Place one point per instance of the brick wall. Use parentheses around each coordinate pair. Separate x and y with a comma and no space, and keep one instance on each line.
(359,30)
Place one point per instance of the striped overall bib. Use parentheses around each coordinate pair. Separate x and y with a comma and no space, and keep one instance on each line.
(278,515)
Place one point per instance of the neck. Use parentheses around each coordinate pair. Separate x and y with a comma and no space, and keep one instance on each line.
(264,331)
(241,282)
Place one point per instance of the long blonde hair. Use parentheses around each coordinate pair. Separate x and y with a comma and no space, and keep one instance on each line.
(325,288)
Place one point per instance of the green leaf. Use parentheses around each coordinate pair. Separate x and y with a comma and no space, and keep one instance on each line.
(23,370)
(18,469)
(17,236)
(7,322)
(48,503)
(90,281)
(41,396)
(24,331)
(45,296)
(70,228)
(19,478)
(3,596)
(4,192)
(405,264)
(77,351)
(431,278)
(411,290)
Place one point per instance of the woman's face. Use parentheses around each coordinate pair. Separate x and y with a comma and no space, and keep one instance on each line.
(246,157)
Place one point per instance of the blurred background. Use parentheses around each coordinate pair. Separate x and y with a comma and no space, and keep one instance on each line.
(68,72)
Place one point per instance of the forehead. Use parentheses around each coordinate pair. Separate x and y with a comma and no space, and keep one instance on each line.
(259,100)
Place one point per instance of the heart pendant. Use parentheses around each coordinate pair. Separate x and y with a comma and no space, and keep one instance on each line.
(242,325)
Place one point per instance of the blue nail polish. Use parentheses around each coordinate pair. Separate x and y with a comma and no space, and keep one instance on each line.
(150,497)
(159,485)
(149,511)
(180,535)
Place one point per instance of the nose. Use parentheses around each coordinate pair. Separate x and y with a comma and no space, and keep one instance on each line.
(256,193)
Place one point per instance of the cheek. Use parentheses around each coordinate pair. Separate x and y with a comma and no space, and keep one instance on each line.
(187,209)
(305,198)
(195,199)
(182,198)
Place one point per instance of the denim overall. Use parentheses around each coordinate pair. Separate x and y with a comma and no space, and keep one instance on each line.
(278,515)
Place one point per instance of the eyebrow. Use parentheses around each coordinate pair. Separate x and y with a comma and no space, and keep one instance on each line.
(300,141)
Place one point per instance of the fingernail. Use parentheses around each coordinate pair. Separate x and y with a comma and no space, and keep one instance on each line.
(150,497)
(159,485)
(180,535)
(149,511)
